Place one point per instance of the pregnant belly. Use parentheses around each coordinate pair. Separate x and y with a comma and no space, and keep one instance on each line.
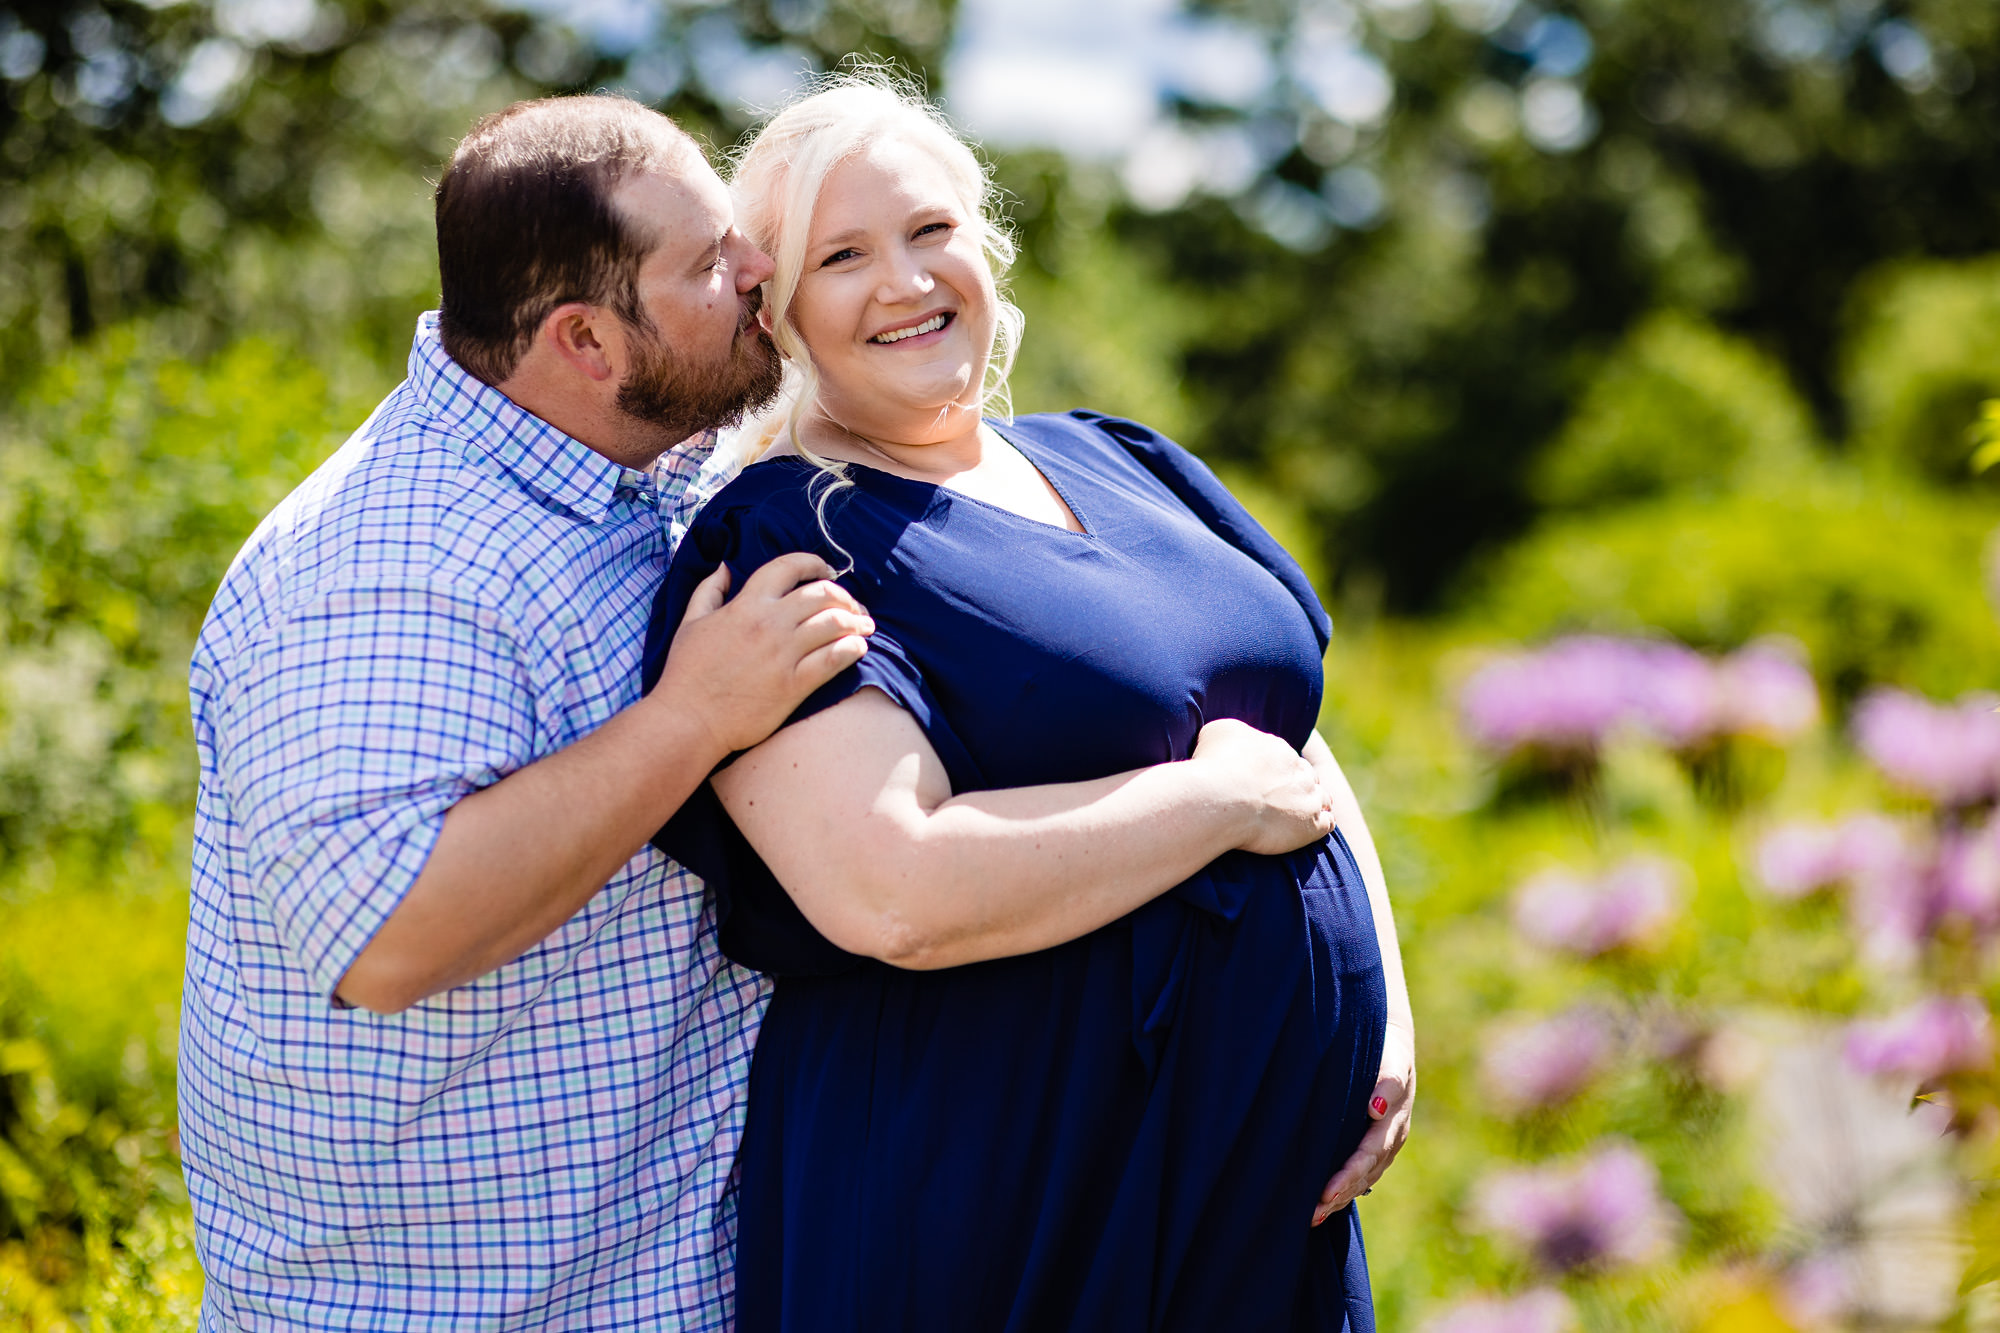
(1210,1055)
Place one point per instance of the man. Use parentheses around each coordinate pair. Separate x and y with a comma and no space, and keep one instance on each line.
(458,1048)
(458,1051)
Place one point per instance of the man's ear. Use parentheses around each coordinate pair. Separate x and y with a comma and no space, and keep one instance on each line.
(580,334)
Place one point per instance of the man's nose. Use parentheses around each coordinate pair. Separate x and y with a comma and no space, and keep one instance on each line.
(753,266)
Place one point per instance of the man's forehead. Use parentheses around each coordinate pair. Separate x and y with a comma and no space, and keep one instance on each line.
(684,204)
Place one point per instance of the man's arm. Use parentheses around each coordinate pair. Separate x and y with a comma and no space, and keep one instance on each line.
(1396,1088)
(853,812)
(518,858)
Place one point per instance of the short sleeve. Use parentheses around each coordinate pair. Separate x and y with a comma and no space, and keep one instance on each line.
(747,536)
(1209,500)
(758,924)
(343,738)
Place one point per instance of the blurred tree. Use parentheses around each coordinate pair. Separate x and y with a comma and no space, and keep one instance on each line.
(1923,357)
(1402,258)
(259,163)
(1459,207)
(1679,406)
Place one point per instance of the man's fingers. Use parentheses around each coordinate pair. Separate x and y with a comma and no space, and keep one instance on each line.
(833,623)
(821,665)
(808,599)
(709,594)
(780,574)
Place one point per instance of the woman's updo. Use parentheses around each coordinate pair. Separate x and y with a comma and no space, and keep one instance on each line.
(777,183)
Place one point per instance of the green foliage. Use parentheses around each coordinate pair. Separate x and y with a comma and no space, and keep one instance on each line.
(287,191)
(92,1213)
(1876,578)
(128,478)
(1679,407)
(1924,356)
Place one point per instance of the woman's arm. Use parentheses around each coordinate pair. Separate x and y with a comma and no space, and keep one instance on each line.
(1396,1089)
(852,811)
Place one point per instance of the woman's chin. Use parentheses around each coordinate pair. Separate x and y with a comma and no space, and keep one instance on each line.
(900,403)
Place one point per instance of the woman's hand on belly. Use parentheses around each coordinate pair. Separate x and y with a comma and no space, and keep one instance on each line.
(853,813)
(1294,808)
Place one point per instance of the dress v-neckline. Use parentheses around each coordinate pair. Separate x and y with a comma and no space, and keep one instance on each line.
(1083,526)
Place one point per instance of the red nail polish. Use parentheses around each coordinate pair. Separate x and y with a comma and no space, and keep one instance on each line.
(1380,1105)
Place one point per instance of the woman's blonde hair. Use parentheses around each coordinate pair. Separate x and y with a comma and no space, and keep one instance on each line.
(777,181)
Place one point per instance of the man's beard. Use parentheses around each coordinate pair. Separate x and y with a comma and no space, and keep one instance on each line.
(682,400)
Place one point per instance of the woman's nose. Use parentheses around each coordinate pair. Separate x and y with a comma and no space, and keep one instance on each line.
(907,279)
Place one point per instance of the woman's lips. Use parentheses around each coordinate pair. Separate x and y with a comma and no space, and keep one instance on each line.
(922,331)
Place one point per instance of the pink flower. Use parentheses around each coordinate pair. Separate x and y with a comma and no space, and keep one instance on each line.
(1546,1063)
(1562,910)
(1577,691)
(1675,694)
(1766,691)
(1568,696)
(1542,1310)
(1602,1211)
(1950,754)
(1928,1040)
(1968,877)
(1794,860)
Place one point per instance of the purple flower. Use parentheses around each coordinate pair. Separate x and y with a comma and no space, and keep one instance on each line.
(1675,694)
(1602,1211)
(1935,1037)
(1542,1310)
(1568,696)
(1968,877)
(1766,691)
(1950,754)
(1560,909)
(1794,860)
(1546,1063)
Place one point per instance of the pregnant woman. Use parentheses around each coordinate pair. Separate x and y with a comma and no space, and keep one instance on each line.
(1011,1081)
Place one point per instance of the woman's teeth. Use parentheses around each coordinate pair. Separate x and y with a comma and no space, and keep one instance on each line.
(931,325)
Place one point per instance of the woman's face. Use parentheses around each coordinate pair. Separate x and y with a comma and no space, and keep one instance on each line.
(895,300)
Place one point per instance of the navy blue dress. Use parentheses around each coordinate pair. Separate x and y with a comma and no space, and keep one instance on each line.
(1126,1132)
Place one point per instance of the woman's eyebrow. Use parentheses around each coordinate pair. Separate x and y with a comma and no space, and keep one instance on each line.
(840,238)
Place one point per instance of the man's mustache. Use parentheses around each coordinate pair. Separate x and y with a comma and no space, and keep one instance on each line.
(753,302)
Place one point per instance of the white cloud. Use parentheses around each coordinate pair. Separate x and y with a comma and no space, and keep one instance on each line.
(1089,79)
(616,27)
(1213,61)
(1089,108)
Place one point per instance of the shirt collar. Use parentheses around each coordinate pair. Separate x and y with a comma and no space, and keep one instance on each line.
(554,467)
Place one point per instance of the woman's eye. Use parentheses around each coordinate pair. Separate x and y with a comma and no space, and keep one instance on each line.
(837,256)
(929,227)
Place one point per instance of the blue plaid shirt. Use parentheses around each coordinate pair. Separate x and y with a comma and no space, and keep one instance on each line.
(459,591)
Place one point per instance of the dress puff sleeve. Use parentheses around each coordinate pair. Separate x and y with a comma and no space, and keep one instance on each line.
(1210,501)
(746,525)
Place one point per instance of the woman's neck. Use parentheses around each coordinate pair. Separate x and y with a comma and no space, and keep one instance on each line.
(945,449)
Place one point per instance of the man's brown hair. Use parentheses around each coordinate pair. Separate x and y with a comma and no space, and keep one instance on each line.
(525,221)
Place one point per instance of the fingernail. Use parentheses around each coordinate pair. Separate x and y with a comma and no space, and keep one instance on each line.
(1380,1106)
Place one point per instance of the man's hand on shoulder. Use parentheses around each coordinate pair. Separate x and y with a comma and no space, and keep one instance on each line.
(741,665)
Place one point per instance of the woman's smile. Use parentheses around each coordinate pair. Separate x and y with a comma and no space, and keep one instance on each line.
(917,333)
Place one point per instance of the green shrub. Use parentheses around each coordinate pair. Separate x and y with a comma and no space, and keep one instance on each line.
(128,478)
(1680,406)
(1923,354)
(1879,581)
